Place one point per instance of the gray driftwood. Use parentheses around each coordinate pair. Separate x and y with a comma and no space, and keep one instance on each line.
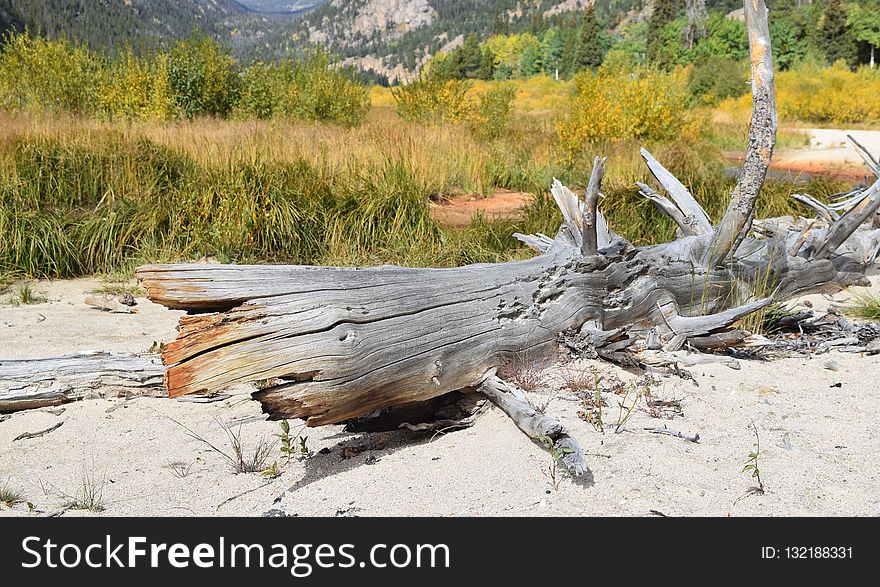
(35,383)
(537,426)
(332,344)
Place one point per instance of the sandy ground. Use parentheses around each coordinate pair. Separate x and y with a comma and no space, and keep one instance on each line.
(829,152)
(818,456)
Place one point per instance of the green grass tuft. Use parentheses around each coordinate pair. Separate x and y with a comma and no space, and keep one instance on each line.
(865,305)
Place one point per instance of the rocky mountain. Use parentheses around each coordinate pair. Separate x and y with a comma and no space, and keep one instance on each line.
(390,37)
(280,6)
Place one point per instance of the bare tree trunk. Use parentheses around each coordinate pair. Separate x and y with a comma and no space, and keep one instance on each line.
(331,344)
(697,17)
(35,383)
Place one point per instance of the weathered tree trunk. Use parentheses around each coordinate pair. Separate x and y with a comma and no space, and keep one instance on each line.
(331,344)
(35,383)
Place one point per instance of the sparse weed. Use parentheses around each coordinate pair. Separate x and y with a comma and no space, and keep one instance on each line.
(90,495)
(624,412)
(556,453)
(272,471)
(241,460)
(9,496)
(180,469)
(752,464)
(287,450)
(524,370)
(577,380)
(304,447)
(120,288)
(25,295)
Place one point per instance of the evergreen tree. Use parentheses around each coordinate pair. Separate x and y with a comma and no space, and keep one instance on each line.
(569,48)
(500,25)
(487,65)
(589,48)
(470,57)
(553,44)
(530,62)
(835,38)
(664,13)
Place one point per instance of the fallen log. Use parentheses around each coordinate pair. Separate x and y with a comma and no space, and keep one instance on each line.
(36,383)
(332,344)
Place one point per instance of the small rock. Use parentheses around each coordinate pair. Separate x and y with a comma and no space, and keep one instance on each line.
(831,365)
(275,513)
(126,299)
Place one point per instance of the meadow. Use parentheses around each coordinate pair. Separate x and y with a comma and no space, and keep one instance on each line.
(303,165)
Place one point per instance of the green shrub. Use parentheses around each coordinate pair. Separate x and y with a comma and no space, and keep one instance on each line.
(202,75)
(493,114)
(319,92)
(714,79)
(262,86)
(307,89)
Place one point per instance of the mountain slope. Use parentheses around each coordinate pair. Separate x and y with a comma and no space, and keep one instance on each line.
(116,23)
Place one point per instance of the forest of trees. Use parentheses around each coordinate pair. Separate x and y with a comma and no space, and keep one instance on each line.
(497,39)
(678,32)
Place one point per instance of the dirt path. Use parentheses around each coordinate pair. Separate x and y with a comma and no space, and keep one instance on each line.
(459,211)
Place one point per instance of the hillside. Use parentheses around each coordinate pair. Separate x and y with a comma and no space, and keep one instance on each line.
(111,24)
(394,38)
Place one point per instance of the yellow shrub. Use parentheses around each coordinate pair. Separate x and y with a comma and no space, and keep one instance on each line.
(613,105)
(434,99)
(48,75)
(138,90)
(833,95)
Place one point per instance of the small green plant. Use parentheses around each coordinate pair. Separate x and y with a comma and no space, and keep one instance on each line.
(156,347)
(272,471)
(9,496)
(25,295)
(865,305)
(752,464)
(556,453)
(303,447)
(31,507)
(286,449)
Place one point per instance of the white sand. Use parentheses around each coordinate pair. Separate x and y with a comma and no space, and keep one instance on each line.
(819,444)
(830,149)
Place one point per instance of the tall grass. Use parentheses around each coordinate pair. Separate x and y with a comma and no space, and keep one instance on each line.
(82,196)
